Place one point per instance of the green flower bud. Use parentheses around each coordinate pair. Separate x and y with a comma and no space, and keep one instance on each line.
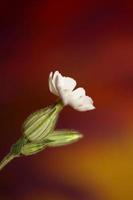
(63,137)
(31,148)
(39,124)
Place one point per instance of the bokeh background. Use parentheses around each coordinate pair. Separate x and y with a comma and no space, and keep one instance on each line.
(91,41)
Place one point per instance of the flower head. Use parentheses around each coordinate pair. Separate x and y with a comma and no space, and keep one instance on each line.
(64,88)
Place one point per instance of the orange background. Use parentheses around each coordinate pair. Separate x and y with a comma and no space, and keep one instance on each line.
(91,41)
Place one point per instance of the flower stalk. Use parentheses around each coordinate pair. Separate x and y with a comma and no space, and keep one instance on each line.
(8,158)
(15,152)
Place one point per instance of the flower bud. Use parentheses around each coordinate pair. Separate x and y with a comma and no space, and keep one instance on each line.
(63,137)
(39,124)
(32,148)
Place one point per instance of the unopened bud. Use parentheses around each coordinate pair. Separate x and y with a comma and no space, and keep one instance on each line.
(63,137)
(41,123)
(31,148)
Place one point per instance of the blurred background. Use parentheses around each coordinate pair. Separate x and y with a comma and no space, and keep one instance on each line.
(91,41)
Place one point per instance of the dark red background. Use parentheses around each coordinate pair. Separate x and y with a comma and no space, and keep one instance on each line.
(91,41)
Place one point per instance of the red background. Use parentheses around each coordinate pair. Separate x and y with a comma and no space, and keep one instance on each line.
(91,41)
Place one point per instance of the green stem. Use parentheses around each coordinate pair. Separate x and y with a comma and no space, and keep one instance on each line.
(6,160)
(15,151)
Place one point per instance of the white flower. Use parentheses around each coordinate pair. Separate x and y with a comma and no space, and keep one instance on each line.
(64,88)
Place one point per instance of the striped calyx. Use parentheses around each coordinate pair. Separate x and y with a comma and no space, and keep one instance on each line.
(32,148)
(39,124)
(54,139)
(63,137)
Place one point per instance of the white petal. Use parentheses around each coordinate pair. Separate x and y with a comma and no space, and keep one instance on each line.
(63,93)
(81,104)
(50,82)
(64,88)
(78,93)
(65,96)
(81,109)
(55,76)
(74,98)
(61,86)
(67,83)
(86,104)
(86,108)
(52,86)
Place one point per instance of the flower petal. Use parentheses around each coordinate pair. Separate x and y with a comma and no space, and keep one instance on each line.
(50,82)
(81,104)
(63,93)
(52,86)
(75,96)
(86,104)
(64,88)
(78,93)
(68,83)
